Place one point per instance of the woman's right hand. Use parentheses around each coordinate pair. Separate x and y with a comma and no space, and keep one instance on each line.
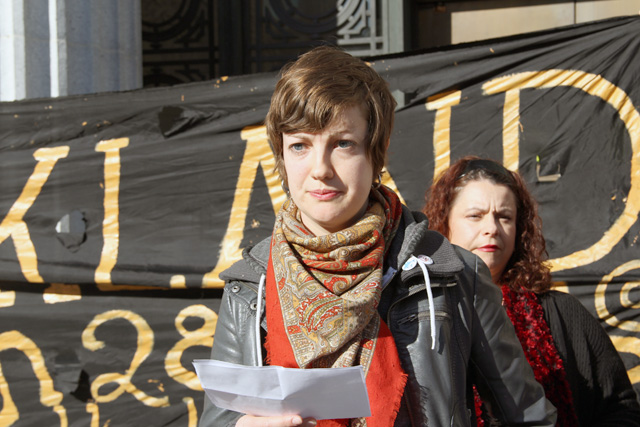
(282,421)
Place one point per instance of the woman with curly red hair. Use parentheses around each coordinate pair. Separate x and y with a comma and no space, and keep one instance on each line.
(485,208)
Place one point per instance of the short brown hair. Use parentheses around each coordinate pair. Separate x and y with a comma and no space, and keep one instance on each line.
(319,86)
(525,269)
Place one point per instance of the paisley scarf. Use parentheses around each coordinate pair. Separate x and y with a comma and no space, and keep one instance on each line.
(526,314)
(322,294)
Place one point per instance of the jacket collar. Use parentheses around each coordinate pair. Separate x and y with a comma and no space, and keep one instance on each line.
(415,239)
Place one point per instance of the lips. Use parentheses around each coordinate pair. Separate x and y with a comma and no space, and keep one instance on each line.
(324,194)
(489,248)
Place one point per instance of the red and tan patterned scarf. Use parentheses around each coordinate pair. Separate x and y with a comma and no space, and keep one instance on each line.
(526,314)
(322,295)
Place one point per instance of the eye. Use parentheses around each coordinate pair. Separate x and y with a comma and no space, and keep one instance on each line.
(345,143)
(297,147)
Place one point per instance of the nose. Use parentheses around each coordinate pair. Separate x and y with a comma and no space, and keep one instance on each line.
(322,166)
(490,225)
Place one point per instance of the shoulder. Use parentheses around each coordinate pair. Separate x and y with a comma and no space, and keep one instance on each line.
(569,318)
(566,305)
(243,277)
(414,238)
(252,265)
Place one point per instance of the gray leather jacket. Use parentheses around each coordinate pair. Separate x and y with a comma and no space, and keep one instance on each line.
(474,338)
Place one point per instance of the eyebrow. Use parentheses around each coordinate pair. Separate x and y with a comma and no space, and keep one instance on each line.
(346,134)
(483,209)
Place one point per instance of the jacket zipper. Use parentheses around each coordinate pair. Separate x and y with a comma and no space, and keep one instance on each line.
(422,315)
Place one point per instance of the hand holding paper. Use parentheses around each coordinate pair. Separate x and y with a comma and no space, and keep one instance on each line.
(273,390)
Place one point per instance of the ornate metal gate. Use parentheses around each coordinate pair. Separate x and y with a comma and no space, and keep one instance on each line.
(193,40)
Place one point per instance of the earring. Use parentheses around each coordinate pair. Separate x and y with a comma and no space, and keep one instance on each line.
(285,188)
(377,184)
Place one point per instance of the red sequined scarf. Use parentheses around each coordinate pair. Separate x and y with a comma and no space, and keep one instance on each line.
(526,314)
(322,294)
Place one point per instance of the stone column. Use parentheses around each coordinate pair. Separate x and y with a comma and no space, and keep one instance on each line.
(51,48)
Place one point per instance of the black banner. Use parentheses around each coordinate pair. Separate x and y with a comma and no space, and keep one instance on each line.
(118,211)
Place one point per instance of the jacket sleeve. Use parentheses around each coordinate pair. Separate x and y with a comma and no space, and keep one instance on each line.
(601,391)
(501,372)
(232,341)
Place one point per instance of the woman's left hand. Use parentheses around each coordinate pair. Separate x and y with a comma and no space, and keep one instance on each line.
(283,421)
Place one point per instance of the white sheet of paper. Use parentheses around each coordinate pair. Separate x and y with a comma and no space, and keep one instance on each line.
(273,390)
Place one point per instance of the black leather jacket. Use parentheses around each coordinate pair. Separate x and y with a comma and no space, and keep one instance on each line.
(474,338)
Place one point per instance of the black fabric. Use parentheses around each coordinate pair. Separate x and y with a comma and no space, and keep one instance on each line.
(601,391)
(123,208)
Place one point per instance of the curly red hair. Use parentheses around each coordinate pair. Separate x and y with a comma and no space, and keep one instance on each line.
(526,269)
